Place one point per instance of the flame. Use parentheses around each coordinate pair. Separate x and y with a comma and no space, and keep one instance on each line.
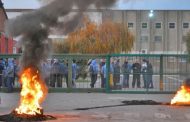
(182,97)
(33,92)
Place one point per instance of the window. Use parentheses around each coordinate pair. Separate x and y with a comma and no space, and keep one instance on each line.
(158,25)
(185,25)
(14,50)
(171,25)
(130,25)
(144,38)
(158,38)
(144,25)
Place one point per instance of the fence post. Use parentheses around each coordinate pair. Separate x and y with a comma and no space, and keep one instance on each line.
(161,72)
(107,73)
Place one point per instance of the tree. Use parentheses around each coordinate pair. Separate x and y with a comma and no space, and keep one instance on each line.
(108,37)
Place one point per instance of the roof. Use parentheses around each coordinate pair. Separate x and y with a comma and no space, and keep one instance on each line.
(1,6)
(120,5)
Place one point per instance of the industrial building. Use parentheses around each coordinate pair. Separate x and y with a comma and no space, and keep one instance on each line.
(7,44)
(158,28)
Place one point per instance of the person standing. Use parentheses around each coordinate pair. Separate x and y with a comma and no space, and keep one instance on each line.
(74,73)
(116,73)
(66,71)
(56,73)
(136,74)
(150,74)
(62,70)
(5,64)
(46,69)
(1,72)
(104,72)
(10,75)
(102,63)
(144,73)
(93,72)
(126,70)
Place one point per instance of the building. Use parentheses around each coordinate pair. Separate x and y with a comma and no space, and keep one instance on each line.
(162,32)
(165,32)
(7,44)
(3,17)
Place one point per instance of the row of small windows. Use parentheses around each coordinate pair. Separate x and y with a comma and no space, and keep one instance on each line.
(171,25)
(156,38)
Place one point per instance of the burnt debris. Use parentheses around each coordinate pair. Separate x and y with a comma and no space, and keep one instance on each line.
(126,103)
(14,117)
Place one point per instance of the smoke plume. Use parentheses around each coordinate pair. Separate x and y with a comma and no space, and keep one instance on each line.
(34,27)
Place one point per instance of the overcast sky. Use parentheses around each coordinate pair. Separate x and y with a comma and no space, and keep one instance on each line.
(122,4)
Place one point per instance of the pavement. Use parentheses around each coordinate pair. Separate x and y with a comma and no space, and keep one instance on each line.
(63,106)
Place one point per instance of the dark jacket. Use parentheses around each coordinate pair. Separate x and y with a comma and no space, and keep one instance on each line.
(126,68)
(136,68)
(149,68)
(1,68)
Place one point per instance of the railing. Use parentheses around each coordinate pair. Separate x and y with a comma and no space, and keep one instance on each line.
(168,73)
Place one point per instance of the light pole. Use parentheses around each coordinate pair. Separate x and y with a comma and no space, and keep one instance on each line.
(150,16)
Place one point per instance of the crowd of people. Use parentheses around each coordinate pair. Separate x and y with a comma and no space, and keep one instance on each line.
(8,73)
(126,69)
(55,72)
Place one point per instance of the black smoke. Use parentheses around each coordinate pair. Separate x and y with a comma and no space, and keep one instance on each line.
(34,27)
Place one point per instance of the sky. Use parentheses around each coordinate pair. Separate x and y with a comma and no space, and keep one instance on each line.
(21,4)
(121,4)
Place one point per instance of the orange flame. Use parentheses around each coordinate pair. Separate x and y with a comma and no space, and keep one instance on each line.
(182,97)
(33,92)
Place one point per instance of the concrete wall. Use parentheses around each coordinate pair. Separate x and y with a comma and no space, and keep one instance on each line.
(171,38)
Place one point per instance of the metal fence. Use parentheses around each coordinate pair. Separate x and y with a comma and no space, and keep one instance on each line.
(62,80)
(168,73)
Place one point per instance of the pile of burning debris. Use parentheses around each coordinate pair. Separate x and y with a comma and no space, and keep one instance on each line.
(182,97)
(32,94)
(15,117)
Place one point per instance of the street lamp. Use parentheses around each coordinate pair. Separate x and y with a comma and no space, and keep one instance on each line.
(151,14)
